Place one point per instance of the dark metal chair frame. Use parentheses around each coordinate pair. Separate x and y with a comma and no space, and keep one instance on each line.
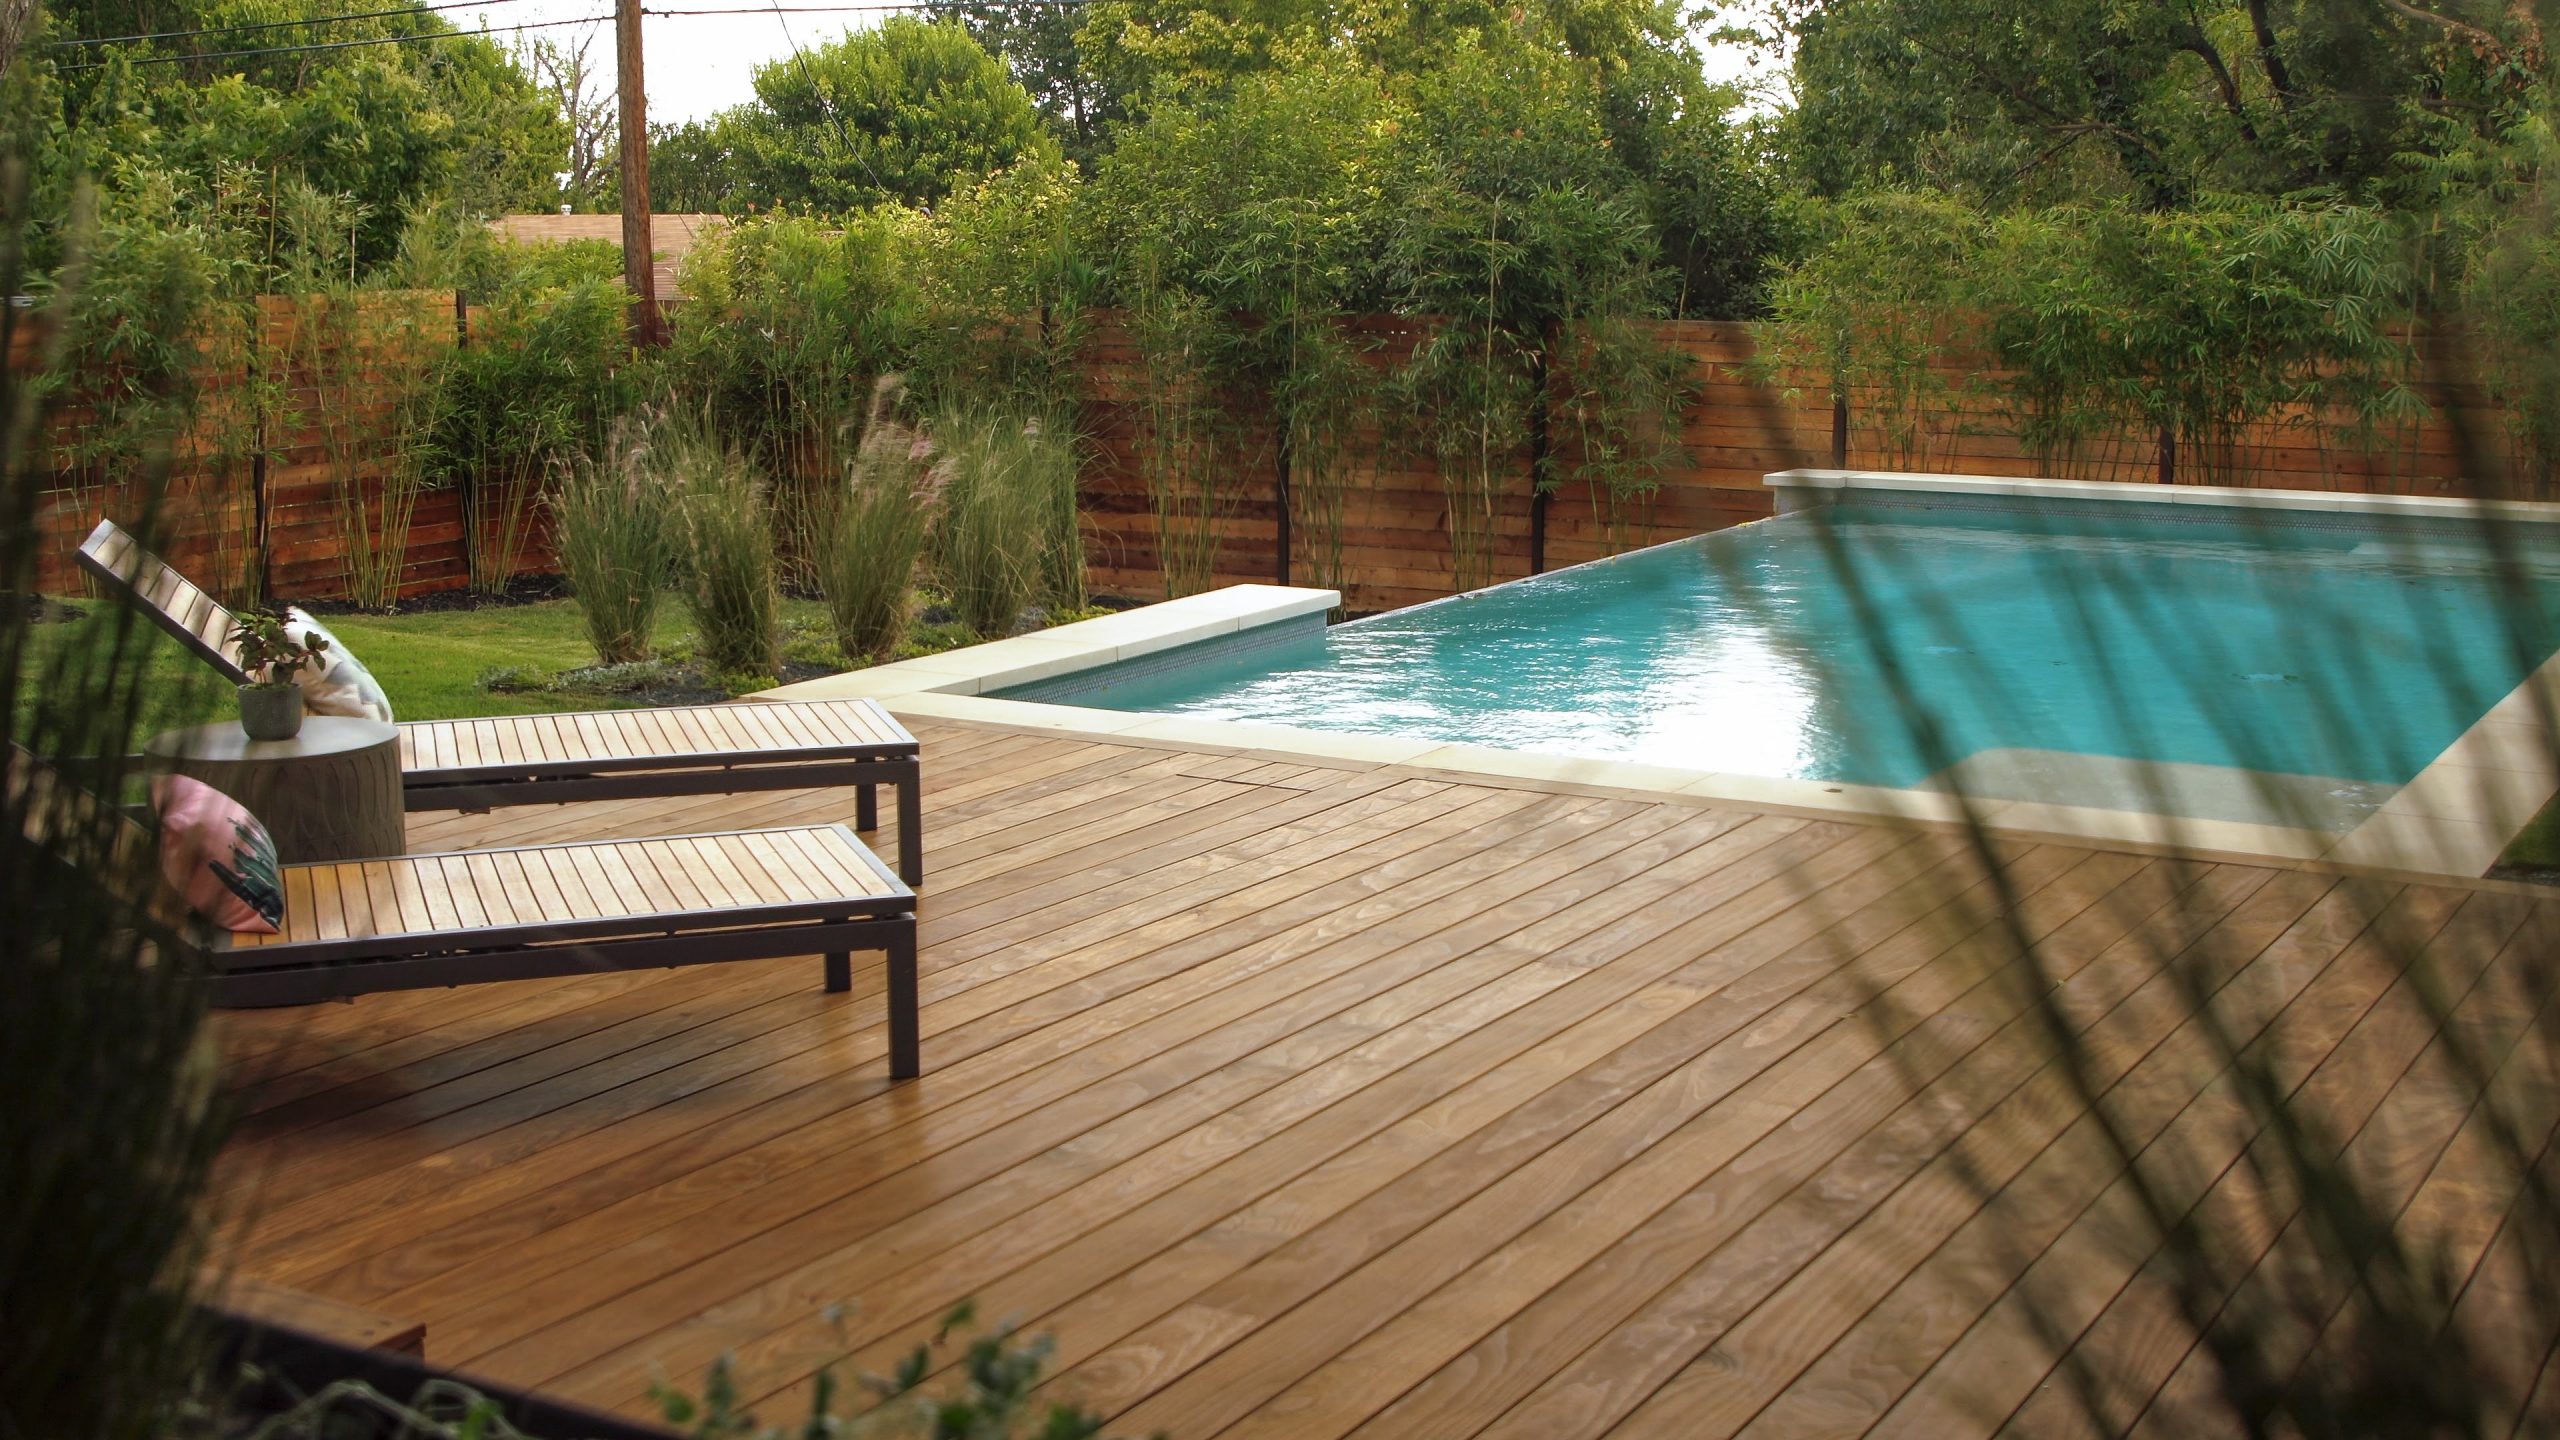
(302,973)
(898,764)
(306,972)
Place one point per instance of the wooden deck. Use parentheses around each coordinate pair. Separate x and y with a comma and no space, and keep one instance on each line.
(1314,1102)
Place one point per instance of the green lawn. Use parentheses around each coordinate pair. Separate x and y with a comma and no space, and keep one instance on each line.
(433,663)
(2537,846)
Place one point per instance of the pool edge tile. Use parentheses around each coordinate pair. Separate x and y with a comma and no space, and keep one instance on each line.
(2421,844)
(1066,649)
(1105,725)
(1538,767)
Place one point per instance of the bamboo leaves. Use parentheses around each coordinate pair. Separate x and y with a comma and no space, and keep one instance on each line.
(2115,344)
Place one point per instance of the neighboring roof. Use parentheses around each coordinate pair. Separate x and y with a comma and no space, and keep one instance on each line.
(669,235)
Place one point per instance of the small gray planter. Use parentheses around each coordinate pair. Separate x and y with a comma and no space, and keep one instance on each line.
(271,712)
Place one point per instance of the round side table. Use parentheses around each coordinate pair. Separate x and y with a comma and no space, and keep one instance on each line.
(329,793)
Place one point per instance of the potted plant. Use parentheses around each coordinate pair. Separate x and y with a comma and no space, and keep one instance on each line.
(271,703)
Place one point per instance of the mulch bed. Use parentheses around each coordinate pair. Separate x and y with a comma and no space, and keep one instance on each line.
(46,610)
(522,590)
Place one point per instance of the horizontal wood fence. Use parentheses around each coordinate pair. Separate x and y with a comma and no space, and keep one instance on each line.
(1395,547)
(276,444)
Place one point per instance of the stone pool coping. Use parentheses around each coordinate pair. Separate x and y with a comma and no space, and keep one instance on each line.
(2453,819)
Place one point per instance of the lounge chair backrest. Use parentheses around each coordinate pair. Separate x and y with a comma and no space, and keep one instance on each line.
(198,621)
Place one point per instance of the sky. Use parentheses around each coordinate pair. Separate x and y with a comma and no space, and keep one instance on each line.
(698,65)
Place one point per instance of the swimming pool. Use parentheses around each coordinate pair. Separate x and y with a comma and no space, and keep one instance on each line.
(2242,662)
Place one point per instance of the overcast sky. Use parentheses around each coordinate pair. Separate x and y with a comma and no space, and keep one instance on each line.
(699,64)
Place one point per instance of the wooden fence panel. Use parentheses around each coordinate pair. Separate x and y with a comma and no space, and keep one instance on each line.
(1395,541)
(291,461)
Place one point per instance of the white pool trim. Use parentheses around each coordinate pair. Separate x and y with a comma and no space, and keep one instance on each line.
(2453,819)
(1796,489)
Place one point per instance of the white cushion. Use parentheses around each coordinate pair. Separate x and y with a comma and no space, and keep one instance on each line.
(337,682)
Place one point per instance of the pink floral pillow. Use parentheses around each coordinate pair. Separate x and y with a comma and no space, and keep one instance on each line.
(217,855)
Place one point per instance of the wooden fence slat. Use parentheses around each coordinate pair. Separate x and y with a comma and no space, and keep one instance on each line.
(1395,541)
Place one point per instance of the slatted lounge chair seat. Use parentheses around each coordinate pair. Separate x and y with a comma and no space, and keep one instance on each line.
(591,755)
(419,921)
(413,921)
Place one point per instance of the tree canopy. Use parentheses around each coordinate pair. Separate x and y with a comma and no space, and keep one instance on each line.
(392,126)
(2160,104)
(902,113)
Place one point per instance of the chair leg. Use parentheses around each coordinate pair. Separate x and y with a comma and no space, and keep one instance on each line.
(866,807)
(911,830)
(839,972)
(906,1060)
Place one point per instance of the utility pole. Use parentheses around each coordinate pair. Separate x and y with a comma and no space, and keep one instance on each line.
(638,270)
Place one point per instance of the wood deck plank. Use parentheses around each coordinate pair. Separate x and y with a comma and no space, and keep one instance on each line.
(2392,1155)
(1472,1389)
(2087,1274)
(1495,979)
(715,977)
(1322,1101)
(1141,1264)
(1300,1305)
(1354,967)
(589,1223)
(1772,1345)
(1140,1045)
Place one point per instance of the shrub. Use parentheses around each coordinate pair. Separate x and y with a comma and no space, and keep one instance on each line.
(611,520)
(2116,328)
(787,320)
(1189,451)
(1874,312)
(965,1381)
(514,680)
(537,384)
(724,519)
(867,552)
(1051,454)
(998,511)
(352,361)
(626,679)
(117,1103)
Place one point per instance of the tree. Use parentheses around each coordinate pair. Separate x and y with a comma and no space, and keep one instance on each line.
(1518,227)
(1244,228)
(693,166)
(446,115)
(1709,198)
(592,179)
(17,19)
(2154,103)
(1271,191)
(902,113)
(1036,39)
(1144,50)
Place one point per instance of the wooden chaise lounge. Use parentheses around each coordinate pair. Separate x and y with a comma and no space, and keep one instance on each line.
(591,755)
(418,921)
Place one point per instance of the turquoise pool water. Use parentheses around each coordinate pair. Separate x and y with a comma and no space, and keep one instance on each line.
(2074,656)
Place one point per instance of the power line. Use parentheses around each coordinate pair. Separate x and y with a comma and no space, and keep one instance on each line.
(776,11)
(348,44)
(250,27)
(843,142)
(913,5)
(275,24)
